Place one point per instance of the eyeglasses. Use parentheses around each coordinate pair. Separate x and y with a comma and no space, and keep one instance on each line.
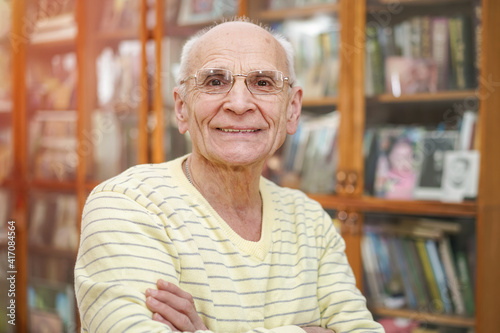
(220,81)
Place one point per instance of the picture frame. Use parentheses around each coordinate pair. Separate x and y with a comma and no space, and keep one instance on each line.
(434,146)
(460,175)
(192,12)
(397,165)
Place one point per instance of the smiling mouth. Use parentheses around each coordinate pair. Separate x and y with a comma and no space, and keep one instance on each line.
(230,130)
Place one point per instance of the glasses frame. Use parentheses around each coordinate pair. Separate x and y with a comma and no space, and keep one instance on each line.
(286,79)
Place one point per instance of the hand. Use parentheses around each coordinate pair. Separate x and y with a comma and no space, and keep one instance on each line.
(173,307)
(317,330)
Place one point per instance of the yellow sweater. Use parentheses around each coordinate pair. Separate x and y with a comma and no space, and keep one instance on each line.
(150,223)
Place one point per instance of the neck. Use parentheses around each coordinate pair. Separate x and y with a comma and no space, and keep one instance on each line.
(232,191)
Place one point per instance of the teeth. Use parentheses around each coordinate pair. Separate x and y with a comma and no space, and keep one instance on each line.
(237,131)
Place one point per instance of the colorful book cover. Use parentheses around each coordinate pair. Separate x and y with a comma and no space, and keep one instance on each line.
(436,303)
(465,282)
(448,259)
(437,269)
(405,274)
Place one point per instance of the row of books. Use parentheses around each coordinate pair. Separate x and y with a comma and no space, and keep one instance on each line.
(407,325)
(316,43)
(205,12)
(412,162)
(422,265)
(109,146)
(311,149)
(52,222)
(421,54)
(55,20)
(52,307)
(281,4)
(53,145)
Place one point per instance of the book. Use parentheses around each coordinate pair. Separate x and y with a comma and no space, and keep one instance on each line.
(315,42)
(465,282)
(467,131)
(372,271)
(416,272)
(436,302)
(437,269)
(461,47)
(55,21)
(408,75)
(374,70)
(404,268)
(203,12)
(313,147)
(448,260)
(52,306)
(441,50)
(53,144)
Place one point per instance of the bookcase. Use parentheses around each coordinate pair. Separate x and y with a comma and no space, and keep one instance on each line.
(133,47)
(439,95)
(74,113)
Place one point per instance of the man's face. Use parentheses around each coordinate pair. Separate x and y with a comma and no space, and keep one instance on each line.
(238,127)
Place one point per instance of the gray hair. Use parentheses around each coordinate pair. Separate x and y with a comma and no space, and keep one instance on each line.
(188,47)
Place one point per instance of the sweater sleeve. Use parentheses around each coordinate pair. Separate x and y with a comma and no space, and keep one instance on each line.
(343,307)
(124,250)
(121,254)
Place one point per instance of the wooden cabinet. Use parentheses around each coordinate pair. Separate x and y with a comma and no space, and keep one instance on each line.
(122,64)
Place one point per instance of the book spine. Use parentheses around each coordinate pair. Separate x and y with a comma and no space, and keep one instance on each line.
(451,275)
(437,269)
(440,49)
(429,276)
(465,282)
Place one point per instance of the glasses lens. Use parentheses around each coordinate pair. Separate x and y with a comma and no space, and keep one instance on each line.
(265,82)
(215,81)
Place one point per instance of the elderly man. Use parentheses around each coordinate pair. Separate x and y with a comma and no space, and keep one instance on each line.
(204,243)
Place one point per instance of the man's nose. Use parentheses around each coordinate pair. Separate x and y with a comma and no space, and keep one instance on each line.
(239,97)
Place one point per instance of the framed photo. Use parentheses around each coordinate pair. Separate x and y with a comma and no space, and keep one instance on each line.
(205,11)
(396,170)
(460,175)
(434,146)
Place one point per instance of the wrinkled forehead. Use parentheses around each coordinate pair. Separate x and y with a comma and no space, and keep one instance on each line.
(238,46)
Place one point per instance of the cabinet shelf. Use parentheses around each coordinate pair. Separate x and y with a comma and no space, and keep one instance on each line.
(426,3)
(416,207)
(117,35)
(53,185)
(427,317)
(441,96)
(325,101)
(287,13)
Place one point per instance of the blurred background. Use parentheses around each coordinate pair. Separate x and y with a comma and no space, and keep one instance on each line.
(396,94)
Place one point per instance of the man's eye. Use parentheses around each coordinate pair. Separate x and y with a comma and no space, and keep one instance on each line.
(262,83)
(214,82)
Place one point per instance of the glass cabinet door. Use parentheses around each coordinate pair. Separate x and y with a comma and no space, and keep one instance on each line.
(6,105)
(115,86)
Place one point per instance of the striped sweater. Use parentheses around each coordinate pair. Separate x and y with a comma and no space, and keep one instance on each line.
(150,223)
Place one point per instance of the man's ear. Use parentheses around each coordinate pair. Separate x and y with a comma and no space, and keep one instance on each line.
(181,114)
(293,111)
